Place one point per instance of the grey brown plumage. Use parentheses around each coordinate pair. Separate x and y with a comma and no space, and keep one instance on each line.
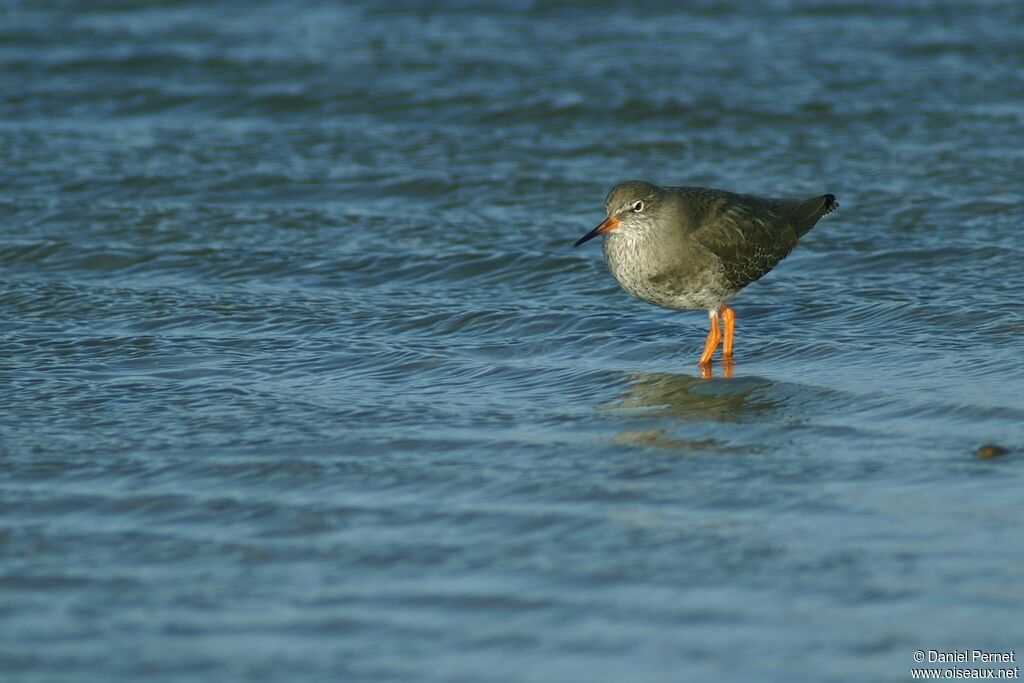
(695,248)
(751,235)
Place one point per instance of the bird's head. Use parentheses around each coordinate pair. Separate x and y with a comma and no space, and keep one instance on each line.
(631,208)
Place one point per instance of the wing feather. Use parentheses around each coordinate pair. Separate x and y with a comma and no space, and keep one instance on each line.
(746,234)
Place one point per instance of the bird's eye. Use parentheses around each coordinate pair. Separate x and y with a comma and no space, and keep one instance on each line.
(638,207)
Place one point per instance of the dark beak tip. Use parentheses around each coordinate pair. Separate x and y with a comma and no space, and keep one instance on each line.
(586,238)
(606,225)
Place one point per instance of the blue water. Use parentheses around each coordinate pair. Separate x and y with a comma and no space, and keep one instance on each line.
(304,381)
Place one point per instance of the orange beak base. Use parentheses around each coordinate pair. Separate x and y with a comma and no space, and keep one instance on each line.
(607,225)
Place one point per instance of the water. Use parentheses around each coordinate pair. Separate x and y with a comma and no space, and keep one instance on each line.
(304,381)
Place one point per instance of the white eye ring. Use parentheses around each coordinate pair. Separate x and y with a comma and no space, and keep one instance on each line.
(638,206)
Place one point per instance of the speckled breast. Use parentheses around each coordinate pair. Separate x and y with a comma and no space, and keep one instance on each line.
(680,283)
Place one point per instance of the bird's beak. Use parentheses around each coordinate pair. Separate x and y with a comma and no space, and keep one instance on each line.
(607,225)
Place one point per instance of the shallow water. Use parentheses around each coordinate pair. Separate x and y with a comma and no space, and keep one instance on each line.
(304,379)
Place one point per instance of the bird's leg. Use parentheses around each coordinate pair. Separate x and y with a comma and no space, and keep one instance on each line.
(728,321)
(711,343)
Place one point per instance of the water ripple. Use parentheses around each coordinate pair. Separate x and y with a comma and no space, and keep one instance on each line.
(304,379)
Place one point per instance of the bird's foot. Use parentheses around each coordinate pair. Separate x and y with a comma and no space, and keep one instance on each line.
(727,367)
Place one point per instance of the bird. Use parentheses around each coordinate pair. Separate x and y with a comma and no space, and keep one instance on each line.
(695,248)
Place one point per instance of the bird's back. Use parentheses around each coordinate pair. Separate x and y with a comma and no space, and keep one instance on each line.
(749,235)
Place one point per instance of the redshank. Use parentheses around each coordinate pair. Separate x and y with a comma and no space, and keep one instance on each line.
(695,248)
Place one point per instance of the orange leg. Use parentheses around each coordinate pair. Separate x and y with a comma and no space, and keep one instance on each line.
(711,343)
(728,321)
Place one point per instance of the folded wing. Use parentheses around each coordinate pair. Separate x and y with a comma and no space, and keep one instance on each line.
(750,235)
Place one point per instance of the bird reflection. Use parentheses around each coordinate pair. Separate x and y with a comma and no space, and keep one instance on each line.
(685,412)
(694,398)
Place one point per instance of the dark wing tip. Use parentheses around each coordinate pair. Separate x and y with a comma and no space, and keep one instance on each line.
(830,203)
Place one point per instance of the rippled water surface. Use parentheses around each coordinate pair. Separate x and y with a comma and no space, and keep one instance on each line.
(304,381)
